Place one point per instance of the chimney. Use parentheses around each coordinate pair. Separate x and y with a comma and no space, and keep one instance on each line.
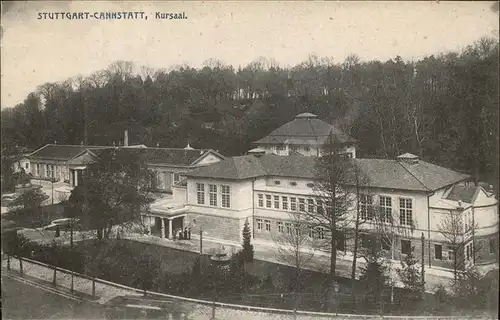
(125,140)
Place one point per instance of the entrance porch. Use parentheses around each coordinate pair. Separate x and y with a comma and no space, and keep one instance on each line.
(164,225)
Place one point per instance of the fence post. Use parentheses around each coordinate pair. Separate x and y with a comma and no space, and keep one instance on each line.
(8,261)
(54,276)
(93,287)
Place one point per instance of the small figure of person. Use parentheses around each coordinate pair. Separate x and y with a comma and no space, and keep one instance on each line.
(175,234)
(58,231)
(189,233)
(185,233)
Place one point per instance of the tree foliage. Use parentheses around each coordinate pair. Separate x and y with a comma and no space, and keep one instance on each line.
(114,191)
(247,251)
(443,108)
(411,276)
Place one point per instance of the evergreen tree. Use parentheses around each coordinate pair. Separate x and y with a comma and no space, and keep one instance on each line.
(247,251)
(411,276)
(374,275)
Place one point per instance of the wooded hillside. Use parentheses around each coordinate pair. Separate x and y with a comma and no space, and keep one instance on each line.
(444,108)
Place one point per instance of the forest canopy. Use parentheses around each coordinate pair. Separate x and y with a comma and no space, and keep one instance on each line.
(443,108)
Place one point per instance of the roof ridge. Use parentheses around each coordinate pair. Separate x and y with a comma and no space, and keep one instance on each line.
(399,162)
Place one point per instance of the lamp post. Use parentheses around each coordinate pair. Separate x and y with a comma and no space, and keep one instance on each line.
(52,180)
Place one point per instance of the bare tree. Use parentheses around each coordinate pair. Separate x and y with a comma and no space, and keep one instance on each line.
(296,247)
(457,228)
(333,198)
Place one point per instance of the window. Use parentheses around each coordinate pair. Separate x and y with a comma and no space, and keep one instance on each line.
(366,204)
(302,204)
(212,189)
(319,206)
(177,177)
(307,149)
(277,182)
(268,201)
(261,200)
(310,185)
(438,252)
(492,246)
(284,203)
(310,205)
(38,169)
(293,204)
(310,233)
(50,170)
(405,211)
(27,165)
(200,193)
(405,246)
(386,243)
(294,148)
(469,251)
(259,224)
(297,230)
(280,226)
(451,253)
(226,196)
(385,209)
(268,225)
(293,183)
(276,202)
(280,147)
(321,232)
(288,228)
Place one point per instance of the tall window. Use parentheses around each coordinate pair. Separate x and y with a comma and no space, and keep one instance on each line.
(493,244)
(38,169)
(293,204)
(469,251)
(321,232)
(310,234)
(259,224)
(200,193)
(438,252)
(177,177)
(280,226)
(302,204)
(226,196)
(310,205)
(50,171)
(288,228)
(284,203)
(319,206)
(366,206)
(212,189)
(405,211)
(386,243)
(268,201)
(276,202)
(385,209)
(261,200)
(268,225)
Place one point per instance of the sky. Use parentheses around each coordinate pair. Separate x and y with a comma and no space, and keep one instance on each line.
(35,51)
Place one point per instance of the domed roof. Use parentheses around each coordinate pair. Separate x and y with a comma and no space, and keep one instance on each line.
(306,115)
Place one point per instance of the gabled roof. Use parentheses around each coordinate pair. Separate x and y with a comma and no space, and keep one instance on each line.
(306,128)
(61,152)
(177,156)
(379,173)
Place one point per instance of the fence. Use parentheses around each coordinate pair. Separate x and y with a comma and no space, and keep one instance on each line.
(107,290)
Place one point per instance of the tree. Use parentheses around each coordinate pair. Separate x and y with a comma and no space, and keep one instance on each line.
(296,247)
(469,290)
(147,271)
(410,275)
(114,191)
(334,198)
(374,275)
(247,252)
(459,237)
(29,202)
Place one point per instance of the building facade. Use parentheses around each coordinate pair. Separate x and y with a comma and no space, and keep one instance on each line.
(269,190)
(305,135)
